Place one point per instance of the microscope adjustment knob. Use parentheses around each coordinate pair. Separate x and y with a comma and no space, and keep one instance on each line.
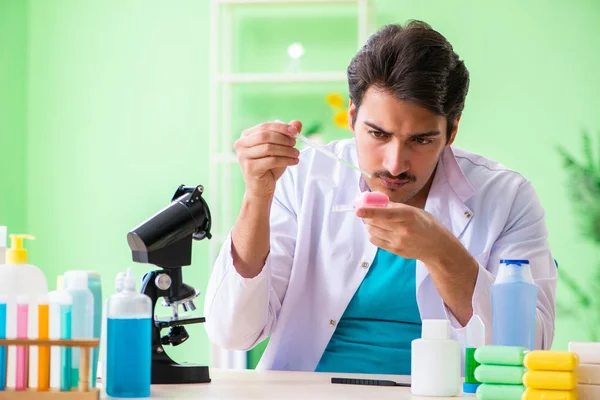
(163,281)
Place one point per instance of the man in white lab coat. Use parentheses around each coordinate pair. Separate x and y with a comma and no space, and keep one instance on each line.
(346,292)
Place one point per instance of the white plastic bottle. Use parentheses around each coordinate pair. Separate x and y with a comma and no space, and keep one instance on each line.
(435,361)
(2,245)
(129,342)
(17,277)
(60,328)
(82,315)
(118,288)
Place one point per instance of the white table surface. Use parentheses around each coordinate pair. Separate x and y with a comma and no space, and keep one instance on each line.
(251,384)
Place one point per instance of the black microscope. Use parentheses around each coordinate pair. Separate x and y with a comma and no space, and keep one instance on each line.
(165,240)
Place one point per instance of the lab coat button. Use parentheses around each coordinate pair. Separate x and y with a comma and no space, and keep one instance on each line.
(468,214)
(365,265)
(332,322)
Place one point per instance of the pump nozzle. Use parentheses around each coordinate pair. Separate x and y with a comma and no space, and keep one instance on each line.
(17,254)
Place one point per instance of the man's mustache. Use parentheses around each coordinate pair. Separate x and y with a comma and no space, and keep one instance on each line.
(405,176)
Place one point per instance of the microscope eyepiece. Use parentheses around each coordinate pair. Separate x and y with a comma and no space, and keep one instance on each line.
(165,239)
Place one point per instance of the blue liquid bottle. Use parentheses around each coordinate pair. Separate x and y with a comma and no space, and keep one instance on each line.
(514,300)
(129,342)
(2,348)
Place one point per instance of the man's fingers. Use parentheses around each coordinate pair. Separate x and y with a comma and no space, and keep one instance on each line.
(378,231)
(296,124)
(395,211)
(262,165)
(381,243)
(279,127)
(266,137)
(270,150)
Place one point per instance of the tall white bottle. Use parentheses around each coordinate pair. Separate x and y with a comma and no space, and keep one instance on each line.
(435,361)
(18,277)
(82,315)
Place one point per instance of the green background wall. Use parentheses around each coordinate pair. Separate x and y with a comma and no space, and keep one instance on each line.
(104,112)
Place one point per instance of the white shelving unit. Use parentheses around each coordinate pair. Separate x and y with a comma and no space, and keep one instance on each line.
(221,154)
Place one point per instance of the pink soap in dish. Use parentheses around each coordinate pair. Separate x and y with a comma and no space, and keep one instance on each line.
(365,199)
(371,199)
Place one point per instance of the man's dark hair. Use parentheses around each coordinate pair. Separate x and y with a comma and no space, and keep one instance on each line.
(414,63)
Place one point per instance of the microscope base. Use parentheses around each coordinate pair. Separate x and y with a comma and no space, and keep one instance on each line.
(170,374)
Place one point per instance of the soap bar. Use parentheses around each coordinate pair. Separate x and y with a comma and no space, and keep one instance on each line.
(500,374)
(551,380)
(588,374)
(588,392)
(500,392)
(534,394)
(546,360)
(588,352)
(501,355)
(371,199)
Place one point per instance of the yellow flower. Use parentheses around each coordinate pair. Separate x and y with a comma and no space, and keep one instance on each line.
(335,100)
(341,119)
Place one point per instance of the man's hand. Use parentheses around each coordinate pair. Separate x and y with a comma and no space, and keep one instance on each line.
(410,232)
(264,152)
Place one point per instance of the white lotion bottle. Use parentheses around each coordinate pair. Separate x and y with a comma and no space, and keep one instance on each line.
(435,361)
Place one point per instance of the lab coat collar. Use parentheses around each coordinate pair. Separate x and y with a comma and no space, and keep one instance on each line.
(446,202)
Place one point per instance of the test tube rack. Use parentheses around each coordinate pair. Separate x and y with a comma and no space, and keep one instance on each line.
(83,391)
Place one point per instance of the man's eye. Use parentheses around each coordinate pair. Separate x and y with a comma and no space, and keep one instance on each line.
(377,134)
(423,140)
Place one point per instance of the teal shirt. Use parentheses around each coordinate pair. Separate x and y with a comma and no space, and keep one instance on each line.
(374,335)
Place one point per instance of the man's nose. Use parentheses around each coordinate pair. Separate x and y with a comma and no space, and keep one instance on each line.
(395,161)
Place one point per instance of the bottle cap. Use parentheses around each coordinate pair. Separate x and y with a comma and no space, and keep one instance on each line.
(16,254)
(435,329)
(470,387)
(129,281)
(119,281)
(76,280)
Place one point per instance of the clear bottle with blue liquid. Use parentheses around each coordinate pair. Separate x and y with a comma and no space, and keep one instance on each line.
(129,342)
(514,303)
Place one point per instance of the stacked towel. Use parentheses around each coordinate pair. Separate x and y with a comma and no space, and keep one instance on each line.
(588,371)
(551,375)
(501,372)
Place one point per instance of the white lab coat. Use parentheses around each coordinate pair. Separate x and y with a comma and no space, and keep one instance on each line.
(318,258)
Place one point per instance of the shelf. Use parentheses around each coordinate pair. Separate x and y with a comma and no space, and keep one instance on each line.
(288,1)
(300,77)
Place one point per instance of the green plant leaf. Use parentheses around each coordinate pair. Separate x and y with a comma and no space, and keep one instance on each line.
(587,151)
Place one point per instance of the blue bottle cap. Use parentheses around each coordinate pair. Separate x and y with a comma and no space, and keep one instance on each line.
(470,387)
(514,262)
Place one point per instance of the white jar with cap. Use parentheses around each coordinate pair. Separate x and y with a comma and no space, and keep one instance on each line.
(435,361)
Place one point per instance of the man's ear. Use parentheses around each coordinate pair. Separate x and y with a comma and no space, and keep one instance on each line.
(454,131)
(351,114)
